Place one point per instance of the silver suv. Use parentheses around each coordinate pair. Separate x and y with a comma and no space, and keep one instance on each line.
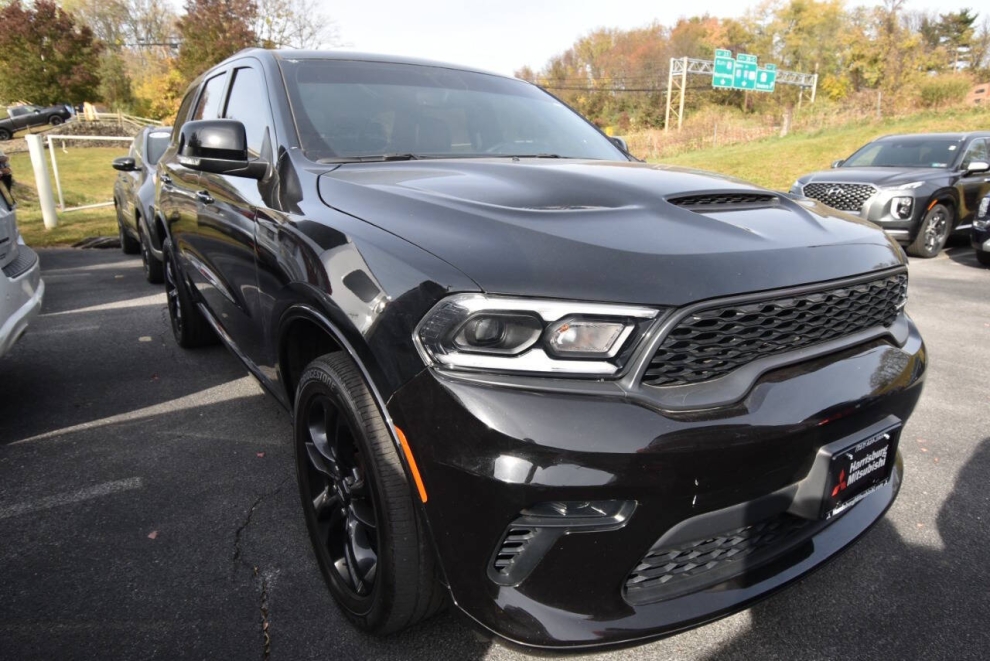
(21,286)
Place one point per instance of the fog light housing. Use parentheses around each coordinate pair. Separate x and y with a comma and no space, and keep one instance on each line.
(902,207)
(528,538)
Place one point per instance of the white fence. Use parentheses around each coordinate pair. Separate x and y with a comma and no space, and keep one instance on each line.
(52,139)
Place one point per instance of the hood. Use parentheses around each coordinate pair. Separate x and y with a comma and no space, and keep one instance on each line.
(603,231)
(877,176)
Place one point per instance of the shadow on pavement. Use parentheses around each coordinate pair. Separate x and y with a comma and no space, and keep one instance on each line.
(886,598)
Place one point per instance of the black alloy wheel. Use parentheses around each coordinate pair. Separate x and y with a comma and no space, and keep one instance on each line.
(4,135)
(55,120)
(370,543)
(153,270)
(933,233)
(189,328)
(337,483)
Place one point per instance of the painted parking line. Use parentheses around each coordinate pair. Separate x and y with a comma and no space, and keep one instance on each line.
(71,497)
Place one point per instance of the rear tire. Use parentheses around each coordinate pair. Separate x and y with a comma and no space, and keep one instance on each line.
(358,503)
(4,135)
(933,232)
(189,328)
(55,120)
(154,271)
(983,257)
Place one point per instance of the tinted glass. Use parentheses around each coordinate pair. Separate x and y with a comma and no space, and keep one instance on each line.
(977,151)
(247,103)
(352,109)
(907,153)
(209,103)
(183,114)
(157,143)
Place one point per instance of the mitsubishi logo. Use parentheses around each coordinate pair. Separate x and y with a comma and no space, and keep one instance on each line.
(834,191)
(841,486)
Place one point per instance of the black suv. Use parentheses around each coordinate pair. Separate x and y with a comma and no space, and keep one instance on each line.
(593,400)
(919,188)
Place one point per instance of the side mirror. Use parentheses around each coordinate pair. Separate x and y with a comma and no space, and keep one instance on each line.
(124,164)
(976,167)
(620,143)
(838,163)
(218,146)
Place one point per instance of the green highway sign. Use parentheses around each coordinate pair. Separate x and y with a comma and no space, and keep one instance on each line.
(766,78)
(742,72)
(722,82)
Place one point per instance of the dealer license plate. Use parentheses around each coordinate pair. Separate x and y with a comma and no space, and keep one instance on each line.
(859,470)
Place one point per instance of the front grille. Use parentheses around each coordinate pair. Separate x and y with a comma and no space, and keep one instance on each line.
(724,201)
(25,261)
(844,197)
(712,342)
(665,573)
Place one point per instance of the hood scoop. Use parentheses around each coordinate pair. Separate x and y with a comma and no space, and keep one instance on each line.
(718,202)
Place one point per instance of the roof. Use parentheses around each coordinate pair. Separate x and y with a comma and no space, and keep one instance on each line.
(345,55)
(929,136)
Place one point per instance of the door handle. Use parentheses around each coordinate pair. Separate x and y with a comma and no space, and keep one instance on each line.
(204,197)
(166,182)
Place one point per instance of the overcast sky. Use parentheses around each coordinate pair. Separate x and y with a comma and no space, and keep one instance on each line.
(504,35)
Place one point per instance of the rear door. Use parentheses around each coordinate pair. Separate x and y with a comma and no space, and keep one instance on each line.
(972,187)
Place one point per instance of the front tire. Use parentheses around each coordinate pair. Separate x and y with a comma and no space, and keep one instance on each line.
(154,270)
(371,545)
(189,328)
(4,135)
(933,233)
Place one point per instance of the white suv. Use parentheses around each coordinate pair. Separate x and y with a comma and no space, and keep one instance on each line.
(21,286)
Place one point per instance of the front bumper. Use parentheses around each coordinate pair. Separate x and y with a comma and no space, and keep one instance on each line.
(980,239)
(21,297)
(486,453)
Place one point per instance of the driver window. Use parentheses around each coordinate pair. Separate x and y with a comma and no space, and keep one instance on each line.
(977,152)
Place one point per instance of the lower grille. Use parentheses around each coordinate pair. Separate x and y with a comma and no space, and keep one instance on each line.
(665,573)
(712,342)
(844,197)
(511,548)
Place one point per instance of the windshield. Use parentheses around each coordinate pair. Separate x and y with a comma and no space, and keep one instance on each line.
(352,110)
(907,153)
(157,144)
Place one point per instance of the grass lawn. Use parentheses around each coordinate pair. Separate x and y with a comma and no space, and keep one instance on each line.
(777,162)
(87,178)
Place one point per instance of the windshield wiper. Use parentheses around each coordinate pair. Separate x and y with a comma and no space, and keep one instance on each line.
(374,158)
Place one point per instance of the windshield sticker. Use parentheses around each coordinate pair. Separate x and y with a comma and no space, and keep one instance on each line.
(940,165)
(952,147)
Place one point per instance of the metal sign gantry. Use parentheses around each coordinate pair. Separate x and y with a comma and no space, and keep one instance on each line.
(680,67)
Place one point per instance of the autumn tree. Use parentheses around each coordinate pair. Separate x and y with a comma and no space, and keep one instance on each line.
(211,31)
(293,24)
(46,57)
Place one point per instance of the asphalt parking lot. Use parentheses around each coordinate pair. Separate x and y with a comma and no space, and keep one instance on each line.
(148,505)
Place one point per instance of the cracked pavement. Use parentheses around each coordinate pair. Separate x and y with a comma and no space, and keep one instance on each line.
(138,521)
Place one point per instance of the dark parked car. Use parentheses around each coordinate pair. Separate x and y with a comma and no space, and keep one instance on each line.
(593,400)
(134,199)
(919,188)
(25,117)
(980,237)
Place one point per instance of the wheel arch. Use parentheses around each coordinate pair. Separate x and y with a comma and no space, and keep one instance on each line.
(945,196)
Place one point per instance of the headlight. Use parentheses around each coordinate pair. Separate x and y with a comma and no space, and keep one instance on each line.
(983,214)
(910,186)
(902,207)
(500,334)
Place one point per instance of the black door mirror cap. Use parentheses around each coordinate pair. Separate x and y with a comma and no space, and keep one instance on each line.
(218,146)
(125,164)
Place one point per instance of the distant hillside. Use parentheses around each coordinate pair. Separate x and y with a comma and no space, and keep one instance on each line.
(777,162)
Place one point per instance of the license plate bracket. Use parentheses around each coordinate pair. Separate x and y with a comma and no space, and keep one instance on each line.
(858,470)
